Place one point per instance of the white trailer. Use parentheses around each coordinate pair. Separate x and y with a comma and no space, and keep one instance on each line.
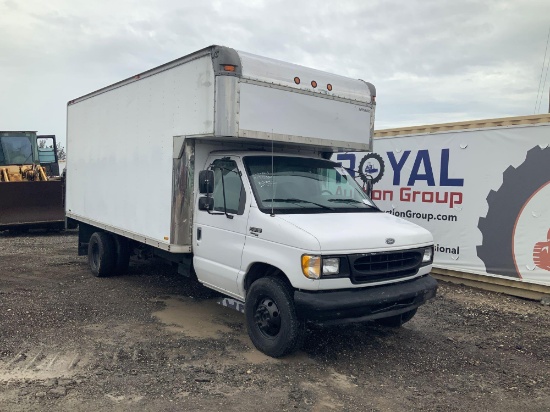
(217,161)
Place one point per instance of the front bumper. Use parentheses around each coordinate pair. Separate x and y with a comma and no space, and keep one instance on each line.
(361,304)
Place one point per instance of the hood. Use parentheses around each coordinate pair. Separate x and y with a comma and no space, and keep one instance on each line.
(360,232)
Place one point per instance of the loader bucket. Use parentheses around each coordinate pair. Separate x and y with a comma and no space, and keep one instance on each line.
(31,204)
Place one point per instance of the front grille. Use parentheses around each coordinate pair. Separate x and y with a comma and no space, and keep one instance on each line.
(374,267)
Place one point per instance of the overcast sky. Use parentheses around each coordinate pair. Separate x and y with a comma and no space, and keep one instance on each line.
(431,61)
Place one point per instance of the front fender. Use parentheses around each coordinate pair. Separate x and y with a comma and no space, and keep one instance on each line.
(285,258)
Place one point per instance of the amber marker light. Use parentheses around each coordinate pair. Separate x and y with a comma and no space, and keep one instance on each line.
(229,68)
(329,87)
(311,266)
(297,80)
(313,84)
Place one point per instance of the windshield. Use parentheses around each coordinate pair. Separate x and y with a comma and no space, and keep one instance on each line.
(15,150)
(300,185)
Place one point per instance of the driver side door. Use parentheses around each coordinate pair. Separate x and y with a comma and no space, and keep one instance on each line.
(219,235)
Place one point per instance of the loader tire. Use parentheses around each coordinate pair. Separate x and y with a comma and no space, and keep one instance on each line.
(101,254)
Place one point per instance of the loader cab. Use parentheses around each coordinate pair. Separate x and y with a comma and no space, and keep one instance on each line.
(26,148)
(18,148)
(47,154)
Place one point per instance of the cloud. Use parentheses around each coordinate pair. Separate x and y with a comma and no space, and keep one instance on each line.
(431,61)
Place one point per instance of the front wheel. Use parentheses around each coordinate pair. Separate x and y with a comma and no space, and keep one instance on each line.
(397,320)
(271,319)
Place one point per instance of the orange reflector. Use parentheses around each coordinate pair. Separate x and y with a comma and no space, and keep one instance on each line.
(313,84)
(329,87)
(165,237)
(229,68)
(297,80)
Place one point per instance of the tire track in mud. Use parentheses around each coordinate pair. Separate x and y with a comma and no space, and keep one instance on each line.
(39,364)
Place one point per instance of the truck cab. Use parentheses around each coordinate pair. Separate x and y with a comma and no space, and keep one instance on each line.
(306,224)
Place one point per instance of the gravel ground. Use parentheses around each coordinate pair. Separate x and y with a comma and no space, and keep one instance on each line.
(154,341)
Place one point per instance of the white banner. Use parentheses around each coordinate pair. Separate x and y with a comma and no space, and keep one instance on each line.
(483,193)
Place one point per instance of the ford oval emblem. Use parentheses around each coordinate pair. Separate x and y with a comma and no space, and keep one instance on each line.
(390,241)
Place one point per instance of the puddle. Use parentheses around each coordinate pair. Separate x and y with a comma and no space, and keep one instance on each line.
(206,319)
(199,319)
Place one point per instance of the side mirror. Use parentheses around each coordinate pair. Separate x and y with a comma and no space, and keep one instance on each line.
(206,182)
(206,203)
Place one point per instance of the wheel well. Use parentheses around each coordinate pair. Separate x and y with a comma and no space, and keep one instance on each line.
(260,270)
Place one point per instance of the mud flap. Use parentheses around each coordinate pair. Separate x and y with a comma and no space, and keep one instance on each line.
(31,204)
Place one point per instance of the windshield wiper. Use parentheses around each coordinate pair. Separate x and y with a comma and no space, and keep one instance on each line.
(351,201)
(293,200)
(344,200)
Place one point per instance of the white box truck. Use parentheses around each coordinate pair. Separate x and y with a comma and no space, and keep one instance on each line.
(218,162)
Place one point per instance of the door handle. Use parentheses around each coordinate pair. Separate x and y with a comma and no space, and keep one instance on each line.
(199,233)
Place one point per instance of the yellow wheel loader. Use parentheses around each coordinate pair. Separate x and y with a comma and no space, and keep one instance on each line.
(31,190)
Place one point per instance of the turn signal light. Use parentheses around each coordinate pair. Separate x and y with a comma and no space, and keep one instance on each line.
(311,266)
(229,68)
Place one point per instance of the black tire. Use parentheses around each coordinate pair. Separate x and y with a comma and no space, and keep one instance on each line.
(271,319)
(101,254)
(122,247)
(397,320)
(497,228)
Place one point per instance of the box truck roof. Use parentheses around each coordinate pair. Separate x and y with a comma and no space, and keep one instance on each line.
(224,94)
(229,61)
(303,78)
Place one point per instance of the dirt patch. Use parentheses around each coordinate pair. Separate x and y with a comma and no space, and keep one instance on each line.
(197,319)
(155,341)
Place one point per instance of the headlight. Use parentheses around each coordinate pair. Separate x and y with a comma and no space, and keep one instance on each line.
(331,266)
(428,255)
(314,266)
(311,266)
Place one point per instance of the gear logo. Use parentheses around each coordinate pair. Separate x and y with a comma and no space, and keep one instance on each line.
(498,250)
(541,253)
(371,168)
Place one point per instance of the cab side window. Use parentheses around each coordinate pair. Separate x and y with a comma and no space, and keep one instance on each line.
(235,196)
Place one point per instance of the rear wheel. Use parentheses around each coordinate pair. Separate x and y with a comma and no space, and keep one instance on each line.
(122,248)
(271,319)
(397,320)
(101,254)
